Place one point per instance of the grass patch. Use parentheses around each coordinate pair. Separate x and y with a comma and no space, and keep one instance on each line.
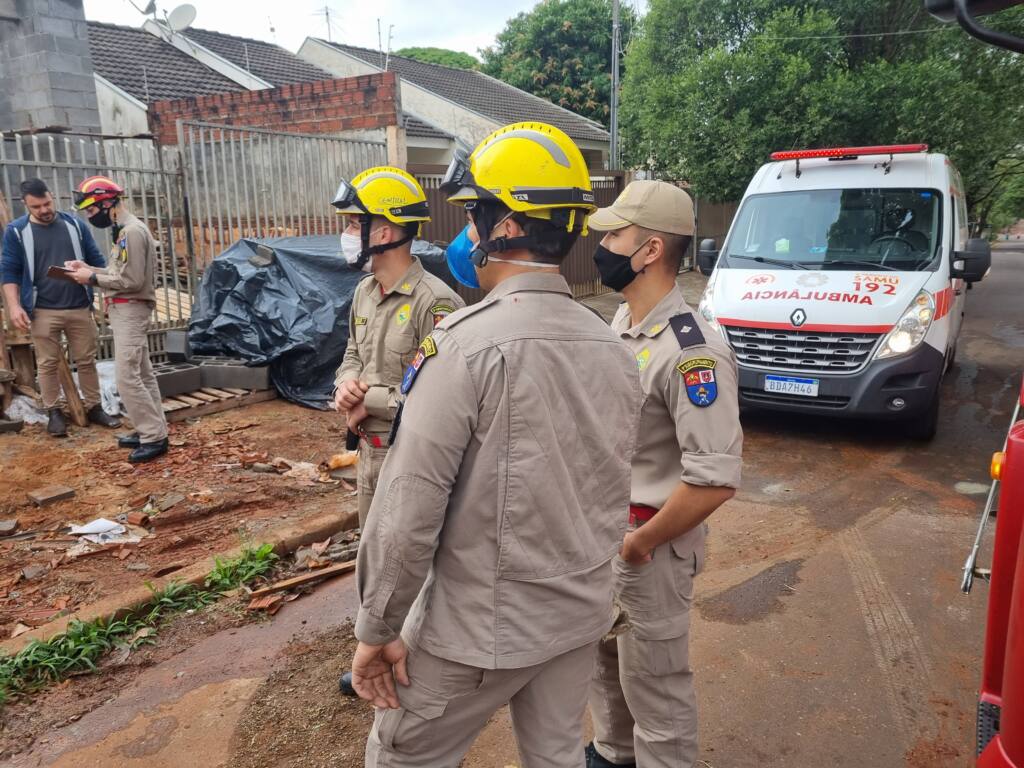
(82,646)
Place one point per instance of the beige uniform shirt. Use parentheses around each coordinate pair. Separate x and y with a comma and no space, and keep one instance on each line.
(689,427)
(384,332)
(505,493)
(129,273)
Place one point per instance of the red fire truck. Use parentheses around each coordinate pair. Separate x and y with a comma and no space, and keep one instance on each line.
(1001,698)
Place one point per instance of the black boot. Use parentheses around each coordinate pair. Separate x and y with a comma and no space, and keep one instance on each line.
(148,451)
(97,415)
(595,760)
(128,441)
(58,425)
(345,685)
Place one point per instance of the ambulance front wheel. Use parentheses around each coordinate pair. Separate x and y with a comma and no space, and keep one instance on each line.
(925,424)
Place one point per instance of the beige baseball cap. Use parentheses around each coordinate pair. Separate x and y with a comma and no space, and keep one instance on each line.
(654,205)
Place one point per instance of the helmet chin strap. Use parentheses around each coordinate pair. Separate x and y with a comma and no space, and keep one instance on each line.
(370,250)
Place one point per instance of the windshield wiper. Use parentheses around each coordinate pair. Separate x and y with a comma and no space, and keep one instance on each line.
(763,260)
(855,263)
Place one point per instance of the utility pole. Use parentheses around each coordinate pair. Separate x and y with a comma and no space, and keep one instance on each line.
(614,158)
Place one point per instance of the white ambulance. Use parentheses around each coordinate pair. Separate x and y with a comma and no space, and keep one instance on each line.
(841,283)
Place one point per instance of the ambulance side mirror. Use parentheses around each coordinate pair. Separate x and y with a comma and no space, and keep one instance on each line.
(972,263)
(707,256)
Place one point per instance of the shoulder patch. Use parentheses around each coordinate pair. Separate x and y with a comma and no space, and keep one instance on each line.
(122,245)
(428,348)
(687,332)
(699,378)
(441,310)
(359,320)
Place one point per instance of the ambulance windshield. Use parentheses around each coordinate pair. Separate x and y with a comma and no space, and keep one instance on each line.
(838,229)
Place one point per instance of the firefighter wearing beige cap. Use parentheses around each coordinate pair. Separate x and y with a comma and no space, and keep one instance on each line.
(687,463)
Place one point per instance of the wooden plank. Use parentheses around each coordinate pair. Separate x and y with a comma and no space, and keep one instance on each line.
(71,396)
(207,409)
(172,405)
(218,393)
(22,362)
(189,400)
(200,395)
(235,391)
(280,586)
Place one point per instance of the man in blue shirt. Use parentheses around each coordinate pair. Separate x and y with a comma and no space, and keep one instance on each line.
(48,307)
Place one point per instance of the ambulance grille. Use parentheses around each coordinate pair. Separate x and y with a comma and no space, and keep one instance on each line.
(796,350)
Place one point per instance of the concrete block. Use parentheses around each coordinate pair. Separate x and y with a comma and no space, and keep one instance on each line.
(177,378)
(176,346)
(55,26)
(63,9)
(50,494)
(225,372)
(73,45)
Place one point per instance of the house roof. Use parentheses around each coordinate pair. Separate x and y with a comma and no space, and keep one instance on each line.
(149,68)
(265,60)
(416,127)
(480,93)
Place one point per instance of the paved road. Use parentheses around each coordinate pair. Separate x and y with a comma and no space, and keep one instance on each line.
(830,629)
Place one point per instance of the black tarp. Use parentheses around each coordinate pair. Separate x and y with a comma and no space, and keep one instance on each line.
(288,309)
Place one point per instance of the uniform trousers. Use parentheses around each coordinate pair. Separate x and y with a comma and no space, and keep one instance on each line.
(136,383)
(447,704)
(368,470)
(642,699)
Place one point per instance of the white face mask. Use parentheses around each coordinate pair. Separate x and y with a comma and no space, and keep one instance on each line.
(351,247)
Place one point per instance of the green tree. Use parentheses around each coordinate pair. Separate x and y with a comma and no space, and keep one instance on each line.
(442,56)
(561,51)
(741,78)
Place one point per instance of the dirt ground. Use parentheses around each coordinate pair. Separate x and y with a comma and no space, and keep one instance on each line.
(221,503)
(25,720)
(297,719)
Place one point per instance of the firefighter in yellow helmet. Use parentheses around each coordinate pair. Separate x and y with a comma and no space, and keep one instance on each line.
(483,570)
(392,309)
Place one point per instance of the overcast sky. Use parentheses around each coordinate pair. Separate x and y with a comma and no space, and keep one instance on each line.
(462,25)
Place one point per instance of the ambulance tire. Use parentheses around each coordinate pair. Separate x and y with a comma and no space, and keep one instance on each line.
(924,426)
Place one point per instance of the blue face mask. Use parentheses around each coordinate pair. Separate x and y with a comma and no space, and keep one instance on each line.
(459,259)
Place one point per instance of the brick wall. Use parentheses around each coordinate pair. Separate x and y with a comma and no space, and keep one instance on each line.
(326,106)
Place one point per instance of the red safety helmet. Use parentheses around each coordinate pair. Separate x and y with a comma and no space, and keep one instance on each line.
(97,190)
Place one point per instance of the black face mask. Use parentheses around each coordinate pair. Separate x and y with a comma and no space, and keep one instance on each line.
(102,219)
(616,270)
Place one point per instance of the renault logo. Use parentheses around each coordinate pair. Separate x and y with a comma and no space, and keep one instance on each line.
(798,318)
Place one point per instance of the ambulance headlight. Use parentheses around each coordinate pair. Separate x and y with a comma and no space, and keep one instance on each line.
(910,330)
(706,308)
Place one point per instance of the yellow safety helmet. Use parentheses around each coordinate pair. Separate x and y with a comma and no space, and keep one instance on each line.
(531,168)
(384,191)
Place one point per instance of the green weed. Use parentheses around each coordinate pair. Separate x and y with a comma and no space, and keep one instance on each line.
(82,646)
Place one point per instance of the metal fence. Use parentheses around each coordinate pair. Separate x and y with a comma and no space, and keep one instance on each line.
(250,182)
(448,220)
(153,194)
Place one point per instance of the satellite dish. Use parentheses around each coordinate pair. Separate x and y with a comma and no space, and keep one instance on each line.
(150,8)
(181,18)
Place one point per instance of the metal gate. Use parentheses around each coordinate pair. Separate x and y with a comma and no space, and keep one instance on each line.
(250,182)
